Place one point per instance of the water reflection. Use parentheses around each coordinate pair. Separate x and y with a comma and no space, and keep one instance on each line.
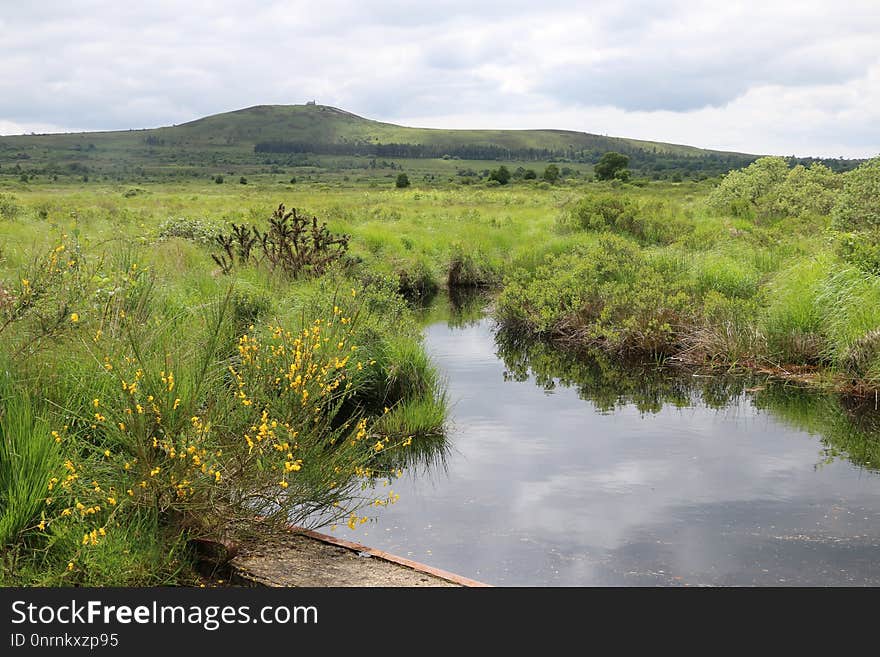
(848,427)
(576,472)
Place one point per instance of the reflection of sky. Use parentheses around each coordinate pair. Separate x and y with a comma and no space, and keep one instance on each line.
(543,490)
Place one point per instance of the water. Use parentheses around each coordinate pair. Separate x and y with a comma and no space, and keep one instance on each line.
(573,473)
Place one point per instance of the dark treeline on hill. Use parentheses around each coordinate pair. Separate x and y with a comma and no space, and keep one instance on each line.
(643,160)
(416,151)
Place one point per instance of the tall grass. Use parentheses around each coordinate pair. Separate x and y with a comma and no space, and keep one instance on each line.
(29,457)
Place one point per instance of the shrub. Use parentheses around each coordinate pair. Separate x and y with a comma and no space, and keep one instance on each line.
(861,250)
(606,295)
(551,174)
(293,245)
(858,207)
(9,207)
(768,188)
(601,211)
(194,230)
(402,181)
(501,175)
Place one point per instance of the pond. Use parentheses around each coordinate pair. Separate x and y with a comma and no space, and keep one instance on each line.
(566,471)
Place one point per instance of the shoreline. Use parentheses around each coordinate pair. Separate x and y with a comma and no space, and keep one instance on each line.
(306,558)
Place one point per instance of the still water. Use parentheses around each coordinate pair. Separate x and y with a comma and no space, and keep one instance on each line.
(569,473)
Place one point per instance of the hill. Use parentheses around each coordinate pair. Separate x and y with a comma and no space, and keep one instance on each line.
(290,135)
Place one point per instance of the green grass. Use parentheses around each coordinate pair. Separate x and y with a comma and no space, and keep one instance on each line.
(29,457)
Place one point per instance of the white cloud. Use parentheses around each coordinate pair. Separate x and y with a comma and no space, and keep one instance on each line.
(782,77)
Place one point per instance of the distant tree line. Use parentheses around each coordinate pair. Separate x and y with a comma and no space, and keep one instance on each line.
(412,151)
(646,161)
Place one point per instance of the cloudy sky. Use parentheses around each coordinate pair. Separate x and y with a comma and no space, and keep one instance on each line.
(760,76)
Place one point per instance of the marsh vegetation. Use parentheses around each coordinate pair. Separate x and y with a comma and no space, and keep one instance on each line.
(155,397)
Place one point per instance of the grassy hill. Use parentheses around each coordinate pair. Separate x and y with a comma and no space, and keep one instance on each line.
(293,135)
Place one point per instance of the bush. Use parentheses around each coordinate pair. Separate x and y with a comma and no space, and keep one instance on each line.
(606,295)
(551,174)
(402,181)
(194,230)
(767,188)
(861,250)
(858,207)
(9,207)
(501,175)
(600,212)
(293,245)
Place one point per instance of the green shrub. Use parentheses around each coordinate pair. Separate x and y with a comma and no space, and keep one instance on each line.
(606,294)
(652,222)
(194,230)
(858,206)
(601,211)
(861,250)
(9,207)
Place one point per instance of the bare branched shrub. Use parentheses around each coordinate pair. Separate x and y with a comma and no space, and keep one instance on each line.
(294,245)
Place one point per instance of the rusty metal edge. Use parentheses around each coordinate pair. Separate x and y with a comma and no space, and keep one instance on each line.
(393,558)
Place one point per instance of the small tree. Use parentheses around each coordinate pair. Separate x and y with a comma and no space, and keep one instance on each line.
(242,180)
(612,165)
(501,174)
(551,173)
(402,181)
(530,174)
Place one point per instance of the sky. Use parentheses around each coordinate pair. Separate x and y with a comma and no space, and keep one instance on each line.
(786,77)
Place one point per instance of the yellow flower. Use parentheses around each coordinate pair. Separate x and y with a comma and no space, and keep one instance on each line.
(95,403)
(352,522)
(74,317)
(70,566)
(107,453)
(282,483)
(42,526)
